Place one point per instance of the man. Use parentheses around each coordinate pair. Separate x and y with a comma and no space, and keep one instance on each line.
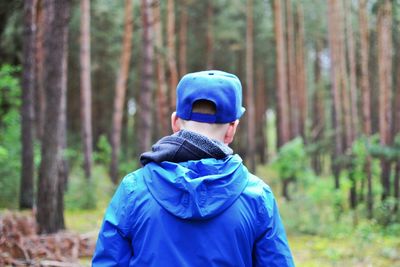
(194,203)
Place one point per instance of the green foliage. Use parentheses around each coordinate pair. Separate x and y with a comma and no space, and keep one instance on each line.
(103,151)
(10,147)
(291,161)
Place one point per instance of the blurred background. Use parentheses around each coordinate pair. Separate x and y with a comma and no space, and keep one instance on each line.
(87,86)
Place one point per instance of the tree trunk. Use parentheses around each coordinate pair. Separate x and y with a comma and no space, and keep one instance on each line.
(145,98)
(385,87)
(396,134)
(281,94)
(28,82)
(366,96)
(173,71)
(301,74)
(251,157)
(291,75)
(120,91)
(352,71)
(335,86)
(318,119)
(39,58)
(162,108)
(55,43)
(210,36)
(183,29)
(86,90)
(261,108)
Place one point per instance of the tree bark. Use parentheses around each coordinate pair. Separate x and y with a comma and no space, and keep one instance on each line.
(301,75)
(145,98)
(335,86)
(120,91)
(366,96)
(281,94)
(291,75)
(385,87)
(250,88)
(352,71)
(162,108)
(28,82)
(39,61)
(183,29)
(210,36)
(86,88)
(55,43)
(261,109)
(173,70)
(318,103)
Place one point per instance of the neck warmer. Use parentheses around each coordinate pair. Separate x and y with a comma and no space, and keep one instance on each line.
(184,146)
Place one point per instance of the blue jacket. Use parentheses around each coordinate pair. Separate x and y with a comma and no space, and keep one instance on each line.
(206,212)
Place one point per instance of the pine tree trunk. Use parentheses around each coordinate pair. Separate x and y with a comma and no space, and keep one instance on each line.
(283,124)
(385,87)
(261,108)
(183,30)
(28,82)
(334,44)
(162,108)
(120,90)
(291,76)
(301,67)
(145,97)
(210,36)
(318,120)
(40,98)
(173,70)
(251,153)
(86,90)
(352,71)
(396,134)
(55,43)
(366,96)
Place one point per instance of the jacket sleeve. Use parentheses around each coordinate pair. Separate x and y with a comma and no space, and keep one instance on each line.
(271,248)
(113,247)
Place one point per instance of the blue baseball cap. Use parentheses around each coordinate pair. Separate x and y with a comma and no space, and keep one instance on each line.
(219,87)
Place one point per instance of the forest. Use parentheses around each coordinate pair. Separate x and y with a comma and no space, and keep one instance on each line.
(88,86)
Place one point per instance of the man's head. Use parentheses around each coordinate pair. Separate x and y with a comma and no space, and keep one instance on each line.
(210,103)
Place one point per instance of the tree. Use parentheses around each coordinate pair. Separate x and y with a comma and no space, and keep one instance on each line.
(39,61)
(385,87)
(291,76)
(55,43)
(366,95)
(162,107)
(28,78)
(210,36)
(281,94)
(251,146)
(145,96)
(334,44)
(86,90)
(120,91)
(173,70)
(301,74)
(183,30)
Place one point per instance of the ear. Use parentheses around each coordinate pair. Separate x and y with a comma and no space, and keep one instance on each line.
(230,132)
(175,122)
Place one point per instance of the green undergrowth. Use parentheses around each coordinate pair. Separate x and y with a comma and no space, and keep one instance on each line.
(323,231)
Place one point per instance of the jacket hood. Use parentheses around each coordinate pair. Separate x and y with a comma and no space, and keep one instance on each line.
(196,189)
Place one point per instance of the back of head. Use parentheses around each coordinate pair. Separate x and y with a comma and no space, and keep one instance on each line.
(208,101)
